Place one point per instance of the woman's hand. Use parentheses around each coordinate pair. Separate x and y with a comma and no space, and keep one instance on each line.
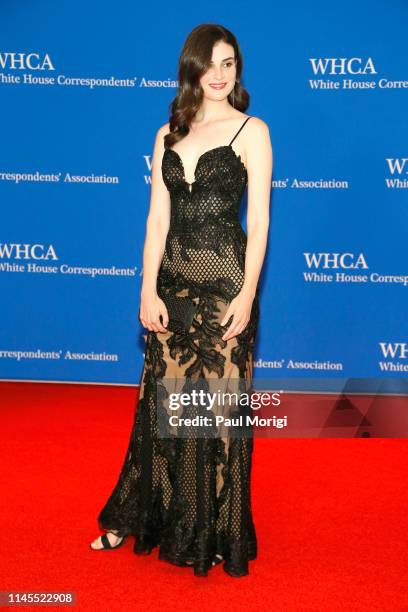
(151,307)
(240,308)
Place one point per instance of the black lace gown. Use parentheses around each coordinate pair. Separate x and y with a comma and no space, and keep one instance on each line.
(191,497)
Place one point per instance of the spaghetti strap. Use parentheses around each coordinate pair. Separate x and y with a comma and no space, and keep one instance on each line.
(239,130)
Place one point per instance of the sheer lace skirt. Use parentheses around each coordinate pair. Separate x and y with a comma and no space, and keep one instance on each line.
(190,497)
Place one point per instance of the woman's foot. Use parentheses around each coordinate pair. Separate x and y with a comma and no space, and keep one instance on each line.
(113,540)
(218,559)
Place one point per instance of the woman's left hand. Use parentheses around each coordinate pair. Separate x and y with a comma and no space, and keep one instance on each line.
(240,309)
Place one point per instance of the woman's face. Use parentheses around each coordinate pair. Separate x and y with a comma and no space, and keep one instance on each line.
(219,80)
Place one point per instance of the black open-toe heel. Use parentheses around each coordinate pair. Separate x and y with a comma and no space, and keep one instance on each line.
(200,567)
(107,545)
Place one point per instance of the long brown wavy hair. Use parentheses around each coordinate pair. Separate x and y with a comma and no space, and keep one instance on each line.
(194,61)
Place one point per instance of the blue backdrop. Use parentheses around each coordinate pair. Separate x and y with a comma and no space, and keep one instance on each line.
(84,87)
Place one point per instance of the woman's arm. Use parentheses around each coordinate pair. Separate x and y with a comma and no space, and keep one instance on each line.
(259,162)
(157,227)
(259,165)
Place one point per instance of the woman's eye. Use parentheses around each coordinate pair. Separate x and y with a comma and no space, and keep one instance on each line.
(226,64)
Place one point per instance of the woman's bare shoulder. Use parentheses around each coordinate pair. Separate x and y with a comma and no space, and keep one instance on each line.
(159,136)
(258,142)
(163,129)
(257,124)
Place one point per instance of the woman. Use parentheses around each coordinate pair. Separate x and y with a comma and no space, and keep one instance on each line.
(191,497)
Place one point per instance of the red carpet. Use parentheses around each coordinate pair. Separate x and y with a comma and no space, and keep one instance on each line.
(331,515)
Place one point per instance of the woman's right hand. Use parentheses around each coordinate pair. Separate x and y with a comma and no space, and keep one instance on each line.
(151,307)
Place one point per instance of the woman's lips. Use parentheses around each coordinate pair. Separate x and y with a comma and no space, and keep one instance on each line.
(217,85)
